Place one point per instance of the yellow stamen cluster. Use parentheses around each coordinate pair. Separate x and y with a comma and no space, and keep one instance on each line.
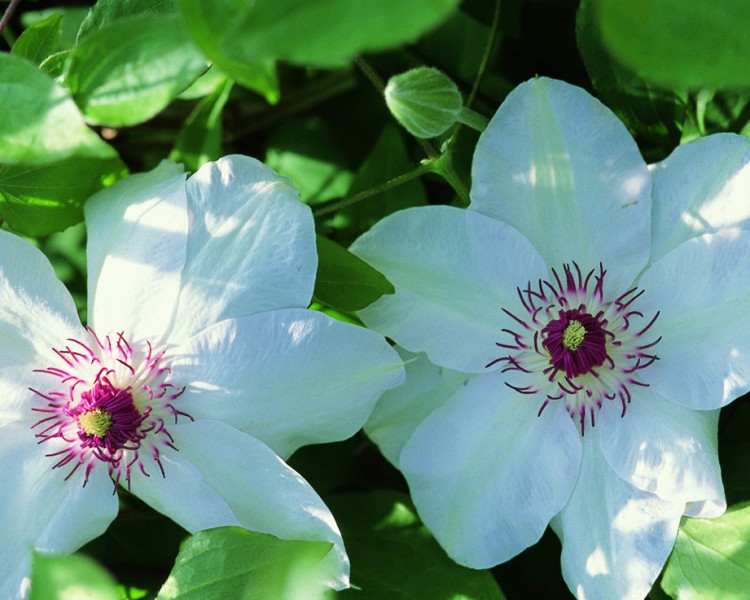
(573,335)
(95,422)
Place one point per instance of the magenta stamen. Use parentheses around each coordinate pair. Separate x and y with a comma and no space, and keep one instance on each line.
(579,347)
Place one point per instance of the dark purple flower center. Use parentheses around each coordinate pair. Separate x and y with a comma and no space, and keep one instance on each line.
(110,402)
(576,342)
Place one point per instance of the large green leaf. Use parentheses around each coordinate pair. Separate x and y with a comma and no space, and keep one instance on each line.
(680,43)
(394,556)
(328,32)
(68,577)
(711,559)
(106,12)
(39,122)
(212,25)
(653,114)
(345,281)
(130,70)
(231,562)
(40,199)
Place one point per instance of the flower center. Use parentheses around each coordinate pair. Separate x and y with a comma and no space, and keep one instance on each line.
(573,335)
(95,422)
(109,404)
(577,346)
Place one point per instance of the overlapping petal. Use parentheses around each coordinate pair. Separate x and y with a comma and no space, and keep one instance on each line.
(666,449)
(137,237)
(40,509)
(288,377)
(401,410)
(487,474)
(616,538)
(453,271)
(37,313)
(222,477)
(560,167)
(702,289)
(700,188)
(251,246)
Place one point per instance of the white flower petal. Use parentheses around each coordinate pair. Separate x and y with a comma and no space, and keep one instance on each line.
(251,245)
(39,509)
(401,410)
(702,289)
(453,271)
(36,310)
(487,475)
(560,167)
(222,477)
(663,448)
(616,538)
(137,234)
(702,187)
(289,377)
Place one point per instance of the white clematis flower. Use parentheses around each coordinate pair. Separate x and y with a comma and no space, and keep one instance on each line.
(582,321)
(200,371)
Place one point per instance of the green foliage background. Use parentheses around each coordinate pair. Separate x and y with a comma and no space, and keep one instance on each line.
(90,93)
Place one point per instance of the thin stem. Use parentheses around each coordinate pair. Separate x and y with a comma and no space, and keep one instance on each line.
(483,64)
(329,207)
(8,14)
(473,119)
(379,85)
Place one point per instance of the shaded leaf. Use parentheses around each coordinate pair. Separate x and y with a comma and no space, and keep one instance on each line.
(679,44)
(344,281)
(40,40)
(67,577)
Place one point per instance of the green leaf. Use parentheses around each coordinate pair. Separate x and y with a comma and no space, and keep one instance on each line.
(327,33)
(344,281)
(680,43)
(653,114)
(309,152)
(107,12)
(40,40)
(39,122)
(40,199)
(130,81)
(212,25)
(200,138)
(711,558)
(66,577)
(394,556)
(231,562)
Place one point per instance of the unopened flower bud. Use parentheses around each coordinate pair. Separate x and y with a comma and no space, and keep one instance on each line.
(424,100)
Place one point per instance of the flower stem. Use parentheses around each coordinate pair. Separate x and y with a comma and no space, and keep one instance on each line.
(8,14)
(473,119)
(329,207)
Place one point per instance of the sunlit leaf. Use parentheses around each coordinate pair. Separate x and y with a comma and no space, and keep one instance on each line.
(711,558)
(39,199)
(40,40)
(231,562)
(107,12)
(212,25)
(39,122)
(129,71)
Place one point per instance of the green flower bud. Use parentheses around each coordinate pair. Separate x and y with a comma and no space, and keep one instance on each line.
(424,100)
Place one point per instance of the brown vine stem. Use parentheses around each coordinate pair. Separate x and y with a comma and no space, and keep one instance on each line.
(8,14)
